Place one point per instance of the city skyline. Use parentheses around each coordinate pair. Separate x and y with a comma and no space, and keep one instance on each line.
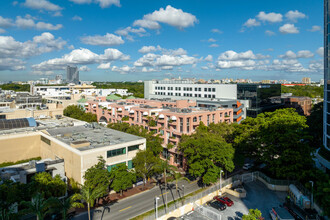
(130,41)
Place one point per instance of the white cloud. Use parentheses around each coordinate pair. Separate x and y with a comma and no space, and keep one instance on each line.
(204,68)
(293,16)
(81,56)
(128,30)
(41,5)
(76,18)
(270,17)
(2,31)
(5,22)
(169,15)
(251,22)
(147,24)
(106,40)
(315,28)
(46,42)
(148,70)
(232,55)
(123,70)
(300,54)
(269,33)
(215,30)
(82,1)
(211,40)
(104,66)
(209,58)
(214,45)
(28,23)
(11,64)
(174,52)
(288,29)
(108,3)
(84,69)
(148,49)
(320,51)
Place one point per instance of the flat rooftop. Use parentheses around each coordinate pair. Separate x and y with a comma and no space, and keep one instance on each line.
(90,136)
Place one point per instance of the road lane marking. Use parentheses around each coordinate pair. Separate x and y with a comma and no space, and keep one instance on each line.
(125,208)
(163,194)
(194,182)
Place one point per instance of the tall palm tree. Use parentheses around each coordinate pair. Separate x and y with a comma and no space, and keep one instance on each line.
(177,176)
(64,205)
(89,195)
(38,206)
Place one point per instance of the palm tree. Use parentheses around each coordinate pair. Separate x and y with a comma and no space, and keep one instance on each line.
(177,176)
(89,195)
(64,205)
(38,206)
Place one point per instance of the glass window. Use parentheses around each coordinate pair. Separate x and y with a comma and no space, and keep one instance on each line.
(134,147)
(116,152)
(130,164)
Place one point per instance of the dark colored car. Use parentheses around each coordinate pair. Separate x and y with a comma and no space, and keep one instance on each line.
(224,200)
(217,205)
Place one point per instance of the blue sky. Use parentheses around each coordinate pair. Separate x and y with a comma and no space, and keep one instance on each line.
(127,40)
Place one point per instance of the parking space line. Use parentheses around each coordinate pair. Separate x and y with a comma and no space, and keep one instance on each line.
(125,208)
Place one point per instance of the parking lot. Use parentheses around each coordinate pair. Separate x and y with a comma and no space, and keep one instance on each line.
(258,197)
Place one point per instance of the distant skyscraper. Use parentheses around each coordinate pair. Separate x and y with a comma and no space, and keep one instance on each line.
(326,104)
(72,74)
(58,77)
(306,80)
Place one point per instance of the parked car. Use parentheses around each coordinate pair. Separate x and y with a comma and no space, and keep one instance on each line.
(247,166)
(224,200)
(217,205)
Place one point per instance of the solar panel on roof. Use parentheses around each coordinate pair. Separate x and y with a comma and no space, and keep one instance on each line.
(17,123)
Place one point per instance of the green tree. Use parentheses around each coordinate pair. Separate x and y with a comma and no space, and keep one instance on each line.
(50,186)
(309,91)
(207,152)
(144,163)
(77,112)
(315,125)
(178,176)
(64,205)
(122,178)
(98,176)
(254,214)
(89,195)
(38,206)
(279,140)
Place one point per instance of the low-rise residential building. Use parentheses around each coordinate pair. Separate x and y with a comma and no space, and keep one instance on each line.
(303,105)
(78,143)
(170,119)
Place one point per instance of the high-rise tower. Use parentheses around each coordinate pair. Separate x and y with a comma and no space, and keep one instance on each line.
(72,74)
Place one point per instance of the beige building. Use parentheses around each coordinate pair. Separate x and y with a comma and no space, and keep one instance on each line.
(79,146)
(306,80)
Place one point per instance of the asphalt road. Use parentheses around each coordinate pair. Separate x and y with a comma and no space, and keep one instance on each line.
(140,203)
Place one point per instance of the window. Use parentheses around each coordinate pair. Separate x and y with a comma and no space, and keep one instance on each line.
(213,89)
(209,89)
(194,119)
(213,118)
(130,164)
(134,147)
(46,140)
(200,118)
(208,120)
(188,124)
(114,165)
(205,89)
(117,152)
(205,96)
(181,124)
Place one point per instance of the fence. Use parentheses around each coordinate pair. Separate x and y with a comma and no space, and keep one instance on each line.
(190,200)
(209,213)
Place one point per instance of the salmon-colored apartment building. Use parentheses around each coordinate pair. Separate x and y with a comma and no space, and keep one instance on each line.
(170,119)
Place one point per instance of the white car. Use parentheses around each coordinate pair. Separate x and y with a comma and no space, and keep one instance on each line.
(247,166)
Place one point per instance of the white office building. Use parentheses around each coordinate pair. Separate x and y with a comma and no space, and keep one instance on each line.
(185,89)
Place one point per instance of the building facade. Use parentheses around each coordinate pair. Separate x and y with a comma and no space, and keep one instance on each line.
(169,119)
(306,80)
(322,158)
(72,74)
(303,105)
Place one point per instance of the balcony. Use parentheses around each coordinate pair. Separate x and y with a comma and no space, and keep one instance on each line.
(177,133)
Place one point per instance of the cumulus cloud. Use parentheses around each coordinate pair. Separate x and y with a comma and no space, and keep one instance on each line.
(129,30)
(2,31)
(293,16)
(149,70)
(269,33)
(46,42)
(5,22)
(288,29)
(216,30)
(11,64)
(41,5)
(148,49)
(81,1)
(214,45)
(211,40)
(102,3)
(251,22)
(123,70)
(81,56)
(315,28)
(84,69)
(104,66)
(320,51)
(270,17)
(169,15)
(76,18)
(300,54)
(106,40)
(209,58)
(28,23)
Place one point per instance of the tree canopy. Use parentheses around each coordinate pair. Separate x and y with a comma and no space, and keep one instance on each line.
(310,91)
(137,88)
(208,152)
(254,214)
(50,186)
(144,164)
(122,178)
(77,112)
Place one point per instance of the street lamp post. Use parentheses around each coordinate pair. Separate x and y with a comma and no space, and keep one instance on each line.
(312,193)
(220,183)
(183,190)
(156,198)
